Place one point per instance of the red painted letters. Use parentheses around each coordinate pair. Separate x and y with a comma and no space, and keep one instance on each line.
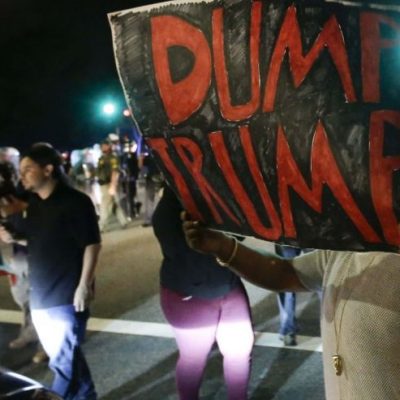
(381,171)
(324,170)
(194,165)
(222,156)
(161,147)
(371,46)
(183,98)
(289,37)
(228,111)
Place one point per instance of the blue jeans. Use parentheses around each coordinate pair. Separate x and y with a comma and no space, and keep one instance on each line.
(287,300)
(287,313)
(61,331)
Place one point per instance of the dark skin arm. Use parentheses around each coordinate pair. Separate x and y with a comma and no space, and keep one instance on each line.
(262,269)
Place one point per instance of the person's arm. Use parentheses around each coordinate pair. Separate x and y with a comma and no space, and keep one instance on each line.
(84,291)
(263,269)
(114,182)
(113,188)
(11,205)
(7,237)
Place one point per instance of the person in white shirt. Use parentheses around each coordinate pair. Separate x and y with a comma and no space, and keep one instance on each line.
(360,313)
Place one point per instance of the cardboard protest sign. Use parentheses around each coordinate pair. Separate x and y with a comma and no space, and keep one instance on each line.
(276,119)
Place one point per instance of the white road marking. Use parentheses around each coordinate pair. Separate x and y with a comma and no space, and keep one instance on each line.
(155,329)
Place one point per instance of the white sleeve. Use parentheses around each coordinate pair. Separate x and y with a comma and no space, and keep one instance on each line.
(310,268)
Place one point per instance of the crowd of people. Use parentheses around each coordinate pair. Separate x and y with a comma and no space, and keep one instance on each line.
(111,175)
(201,292)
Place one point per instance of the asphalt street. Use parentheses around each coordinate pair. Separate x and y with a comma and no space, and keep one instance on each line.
(130,348)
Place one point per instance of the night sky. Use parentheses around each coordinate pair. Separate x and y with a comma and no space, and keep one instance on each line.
(57,68)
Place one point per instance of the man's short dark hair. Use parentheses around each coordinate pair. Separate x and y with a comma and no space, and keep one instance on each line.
(44,154)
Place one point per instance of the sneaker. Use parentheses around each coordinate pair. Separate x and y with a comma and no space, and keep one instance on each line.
(39,357)
(289,339)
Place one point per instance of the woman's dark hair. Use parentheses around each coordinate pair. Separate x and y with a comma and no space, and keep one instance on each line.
(44,154)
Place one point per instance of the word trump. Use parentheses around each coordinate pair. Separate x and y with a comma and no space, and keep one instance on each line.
(323,170)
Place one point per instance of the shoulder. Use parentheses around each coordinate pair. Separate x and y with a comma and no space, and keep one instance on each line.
(378,277)
(75,196)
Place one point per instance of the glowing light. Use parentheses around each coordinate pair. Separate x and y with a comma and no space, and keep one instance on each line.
(109,108)
(134,147)
(126,113)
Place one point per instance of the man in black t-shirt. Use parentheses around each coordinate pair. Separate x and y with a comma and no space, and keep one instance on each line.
(63,239)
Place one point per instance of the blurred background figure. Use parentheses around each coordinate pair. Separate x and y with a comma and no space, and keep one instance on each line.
(77,170)
(130,166)
(108,172)
(153,181)
(9,158)
(66,162)
(83,172)
(12,205)
(204,303)
(114,140)
(8,179)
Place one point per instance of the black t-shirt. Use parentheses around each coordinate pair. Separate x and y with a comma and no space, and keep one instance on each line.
(131,165)
(58,229)
(184,270)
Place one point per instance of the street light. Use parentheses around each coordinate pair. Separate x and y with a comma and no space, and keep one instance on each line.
(117,116)
(109,109)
